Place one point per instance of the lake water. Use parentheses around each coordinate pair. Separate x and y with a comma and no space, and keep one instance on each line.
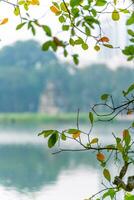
(28,170)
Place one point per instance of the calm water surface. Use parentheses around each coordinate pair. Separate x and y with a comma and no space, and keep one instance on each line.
(28,170)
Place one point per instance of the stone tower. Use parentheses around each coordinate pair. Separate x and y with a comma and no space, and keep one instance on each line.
(47,104)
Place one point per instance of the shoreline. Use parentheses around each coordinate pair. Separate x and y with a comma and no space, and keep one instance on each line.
(57,118)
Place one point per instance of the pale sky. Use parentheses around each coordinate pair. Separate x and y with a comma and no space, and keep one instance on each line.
(9,35)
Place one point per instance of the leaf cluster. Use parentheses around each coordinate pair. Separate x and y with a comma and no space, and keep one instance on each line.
(81,20)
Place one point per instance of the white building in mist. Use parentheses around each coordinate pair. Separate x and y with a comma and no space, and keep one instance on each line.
(47,104)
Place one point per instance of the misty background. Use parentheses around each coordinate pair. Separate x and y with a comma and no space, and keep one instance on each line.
(34,81)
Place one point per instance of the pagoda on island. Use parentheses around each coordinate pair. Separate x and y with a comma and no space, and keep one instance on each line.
(47,104)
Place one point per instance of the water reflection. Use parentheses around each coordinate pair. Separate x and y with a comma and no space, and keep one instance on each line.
(31,167)
(71,184)
(28,171)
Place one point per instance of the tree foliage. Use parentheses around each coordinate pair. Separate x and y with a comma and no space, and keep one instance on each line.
(81,19)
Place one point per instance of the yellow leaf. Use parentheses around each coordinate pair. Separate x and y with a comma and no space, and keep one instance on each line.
(94,141)
(106,174)
(54,9)
(64,6)
(125,133)
(104,39)
(34,2)
(100,157)
(97,48)
(129,112)
(115,15)
(76,134)
(16,11)
(4,21)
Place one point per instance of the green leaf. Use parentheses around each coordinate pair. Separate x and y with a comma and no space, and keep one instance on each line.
(111,193)
(53,139)
(72,32)
(108,46)
(65,53)
(72,131)
(100,2)
(119,144)
(62,19)
(75,12)
(16,11)
(29,24)
(125,11)
(19,26)
(104,97)
(63,137)
(86,7)
(106,174)
(49,44)
(118,140)
(71,42)
(74,2)
(130,58)
(120,147)
(115,15)
(129,51)
(129,196)
(132,40)
(97,48)
(126,137)
(46,133)
(84,46)
(130,89)
(130,21)
(64,6)
(132,125)
(21,2)
(79,41)
(130,32)
(87,31)
(89,20)
(47,30)
(46,45)
(65,27)
(53,46)
(91,118)
(26,6)
(33,30)
(94,12)
(75,59)
(110,146)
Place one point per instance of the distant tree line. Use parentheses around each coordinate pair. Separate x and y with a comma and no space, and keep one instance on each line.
(25,72)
